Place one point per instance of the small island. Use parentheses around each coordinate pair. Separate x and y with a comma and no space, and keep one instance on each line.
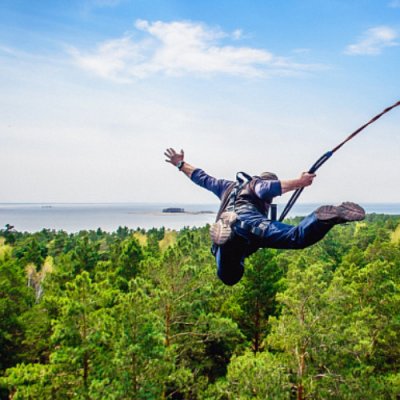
(173,210)
(178,210)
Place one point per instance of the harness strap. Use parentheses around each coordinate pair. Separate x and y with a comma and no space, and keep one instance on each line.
(246,207)
(241,179)
(274,211)
(255,230)
(229,204)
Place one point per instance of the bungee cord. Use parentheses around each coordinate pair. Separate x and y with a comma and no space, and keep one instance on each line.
(325,157)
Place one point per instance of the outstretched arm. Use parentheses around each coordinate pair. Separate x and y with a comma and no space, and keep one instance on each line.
(176,159)
(306,179)
(197,175)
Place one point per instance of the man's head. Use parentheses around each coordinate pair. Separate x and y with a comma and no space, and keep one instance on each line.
(269,176)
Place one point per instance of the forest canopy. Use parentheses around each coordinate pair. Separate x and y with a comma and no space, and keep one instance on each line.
(137,314)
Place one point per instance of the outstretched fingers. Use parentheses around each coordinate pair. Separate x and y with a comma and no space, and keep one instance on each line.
(169,153)
(173,157)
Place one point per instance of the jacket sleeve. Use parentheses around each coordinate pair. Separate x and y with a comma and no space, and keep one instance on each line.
(267,190)
(217,186)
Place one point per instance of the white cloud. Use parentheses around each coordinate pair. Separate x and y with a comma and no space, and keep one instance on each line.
(181,48)
(111,58)
(373,41)
(237,34)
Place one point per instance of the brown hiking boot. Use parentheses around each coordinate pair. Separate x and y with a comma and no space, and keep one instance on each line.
(346,212)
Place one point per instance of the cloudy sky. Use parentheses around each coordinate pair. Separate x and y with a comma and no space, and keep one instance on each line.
(93,91)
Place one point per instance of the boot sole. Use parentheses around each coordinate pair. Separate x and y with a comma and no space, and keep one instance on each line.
(346,212)
(351,212)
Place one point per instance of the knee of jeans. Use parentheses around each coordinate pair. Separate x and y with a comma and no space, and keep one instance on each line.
(231,272)
(231,279)
(230,265)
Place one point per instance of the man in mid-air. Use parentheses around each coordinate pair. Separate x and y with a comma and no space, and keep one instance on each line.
(242,225)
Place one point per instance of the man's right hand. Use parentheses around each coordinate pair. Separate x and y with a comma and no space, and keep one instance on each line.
(306,179)
(173,157)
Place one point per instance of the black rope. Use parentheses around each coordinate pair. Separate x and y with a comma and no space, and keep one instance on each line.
(326,157)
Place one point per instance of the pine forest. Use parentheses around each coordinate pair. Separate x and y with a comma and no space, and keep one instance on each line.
(137,314)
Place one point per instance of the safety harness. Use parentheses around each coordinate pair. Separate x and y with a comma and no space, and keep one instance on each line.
(229,212)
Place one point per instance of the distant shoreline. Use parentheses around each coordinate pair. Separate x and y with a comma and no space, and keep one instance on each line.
(188,212)
(76,217)
(163,205)
(172,214)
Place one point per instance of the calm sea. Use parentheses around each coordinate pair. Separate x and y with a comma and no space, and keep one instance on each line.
(76,217)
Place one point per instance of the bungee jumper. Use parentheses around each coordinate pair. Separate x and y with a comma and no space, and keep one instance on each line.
(242,224)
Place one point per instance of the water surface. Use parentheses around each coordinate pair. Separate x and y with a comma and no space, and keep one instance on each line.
(32,217)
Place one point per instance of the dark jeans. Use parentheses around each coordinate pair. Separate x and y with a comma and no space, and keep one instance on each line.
(230,257)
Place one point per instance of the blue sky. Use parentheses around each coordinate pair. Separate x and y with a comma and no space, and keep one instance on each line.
(93,91)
